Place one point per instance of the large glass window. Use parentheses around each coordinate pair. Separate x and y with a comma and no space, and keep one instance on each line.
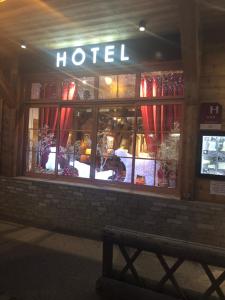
(127,142)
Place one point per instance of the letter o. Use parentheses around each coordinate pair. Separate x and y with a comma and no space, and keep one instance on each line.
(83,57)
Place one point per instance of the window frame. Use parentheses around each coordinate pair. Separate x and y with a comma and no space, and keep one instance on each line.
(96,104)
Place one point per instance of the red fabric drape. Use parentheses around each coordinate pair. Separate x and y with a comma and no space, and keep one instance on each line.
(69,92)
(48,122)
(158,120)
(48,118)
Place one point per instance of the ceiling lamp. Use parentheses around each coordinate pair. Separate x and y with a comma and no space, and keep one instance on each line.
(108,80)
(142,25)
(22,44)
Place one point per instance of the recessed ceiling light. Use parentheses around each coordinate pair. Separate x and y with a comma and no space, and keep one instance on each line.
(142,25)
(22,44)
(108,80)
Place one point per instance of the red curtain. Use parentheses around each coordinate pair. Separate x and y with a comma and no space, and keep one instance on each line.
(158,120)
(48,122)
(48,118)
(69,92)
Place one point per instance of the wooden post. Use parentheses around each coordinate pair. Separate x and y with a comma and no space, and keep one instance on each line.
(9,121)
(1,109)
(190,45)
(107,259)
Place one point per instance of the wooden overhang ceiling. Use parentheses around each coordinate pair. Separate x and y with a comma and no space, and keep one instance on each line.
(51,24)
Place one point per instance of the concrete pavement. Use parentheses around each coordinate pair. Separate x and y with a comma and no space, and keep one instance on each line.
(37,264)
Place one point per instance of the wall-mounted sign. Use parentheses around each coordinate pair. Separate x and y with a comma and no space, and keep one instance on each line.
(217,188)
(94,55)
(210,116)
(117,54)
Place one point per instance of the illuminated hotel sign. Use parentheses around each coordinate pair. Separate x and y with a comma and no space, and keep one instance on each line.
(93,55)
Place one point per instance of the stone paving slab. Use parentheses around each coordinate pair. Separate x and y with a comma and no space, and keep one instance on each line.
(37,264)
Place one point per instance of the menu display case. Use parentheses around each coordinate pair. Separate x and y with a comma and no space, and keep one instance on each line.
(212,155)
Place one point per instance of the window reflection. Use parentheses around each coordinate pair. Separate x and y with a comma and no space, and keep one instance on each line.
(117,86)
(86,88)
(126,85)
(78,88)
(108,87)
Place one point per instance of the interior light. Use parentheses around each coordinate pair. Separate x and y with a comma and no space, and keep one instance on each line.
(88,151)
(142,25)
(22,45)
(84,81)
(108,80)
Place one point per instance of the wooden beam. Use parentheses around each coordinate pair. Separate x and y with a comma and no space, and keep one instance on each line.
(1,109)
(9,136)
(6,91)
(190,45)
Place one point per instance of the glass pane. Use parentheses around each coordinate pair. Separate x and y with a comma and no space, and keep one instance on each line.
(36,91)
(110,168)
(76,119)
(142,149)
(126,86)
(74,154)
(42,140)
(117,124)
(158,144)
(86,87)
(114,142)
(41,162)
(32,161)
(107,87)
(166,174)
(34,118)
(33,140)
(50,90)
(69,90)
(75,142)
(144,172)
(162,84)
(74,165)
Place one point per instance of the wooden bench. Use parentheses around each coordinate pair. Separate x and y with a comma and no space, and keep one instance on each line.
(119,283)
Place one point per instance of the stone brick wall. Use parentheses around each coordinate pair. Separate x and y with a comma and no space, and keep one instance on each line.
(85,210)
